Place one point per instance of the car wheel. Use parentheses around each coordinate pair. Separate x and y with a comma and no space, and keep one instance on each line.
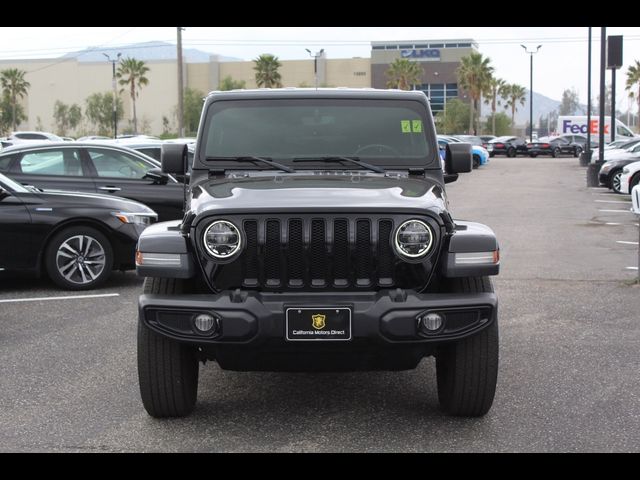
(511,152)
(555,153)
(577,151)
(79,258)
(476,161)
(614,182)
(467,370)
(167,370)
(634,181)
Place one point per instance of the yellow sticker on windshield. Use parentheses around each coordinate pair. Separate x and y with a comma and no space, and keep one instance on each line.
(406,126)
(416,126)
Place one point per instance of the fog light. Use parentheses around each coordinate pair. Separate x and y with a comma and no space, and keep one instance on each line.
(430,322)
(206,323)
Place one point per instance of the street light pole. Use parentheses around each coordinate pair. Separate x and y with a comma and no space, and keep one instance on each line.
(115,92)
(531,53)
(315,63)
(180,85)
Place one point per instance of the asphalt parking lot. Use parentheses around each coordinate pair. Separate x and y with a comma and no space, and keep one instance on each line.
(569,366)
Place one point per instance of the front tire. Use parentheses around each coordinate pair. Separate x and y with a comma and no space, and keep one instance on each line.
(615,181)
(555,153)
(79,258)
(511,152)
(167,370)
(577,152)
(467,370)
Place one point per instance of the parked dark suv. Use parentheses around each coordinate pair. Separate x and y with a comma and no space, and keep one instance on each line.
(317,237)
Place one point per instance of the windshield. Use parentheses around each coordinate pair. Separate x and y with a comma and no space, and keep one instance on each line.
(381,132)
(11,185)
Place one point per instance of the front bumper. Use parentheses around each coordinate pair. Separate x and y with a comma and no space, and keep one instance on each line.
(384,327)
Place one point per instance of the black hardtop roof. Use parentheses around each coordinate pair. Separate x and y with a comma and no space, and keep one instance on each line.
(346,93)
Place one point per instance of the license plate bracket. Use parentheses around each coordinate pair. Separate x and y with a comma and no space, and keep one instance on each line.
(310,324)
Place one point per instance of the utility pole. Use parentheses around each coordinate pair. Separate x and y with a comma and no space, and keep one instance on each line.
(588,145)
(603,69)
(531,53)
(315,63)
(180,86)
(115,92)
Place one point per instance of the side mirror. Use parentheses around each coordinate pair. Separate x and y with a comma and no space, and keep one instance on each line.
(459,158)
(174,158)
(635,199)
(157,176)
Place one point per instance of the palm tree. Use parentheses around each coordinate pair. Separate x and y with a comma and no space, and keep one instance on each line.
(131,72)
(633,78)
(267,74)
(403,74)
(474,74)
(515,94)
(13,86)
(493,95)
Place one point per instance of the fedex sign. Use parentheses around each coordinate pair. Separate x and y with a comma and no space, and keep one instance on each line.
(571,126)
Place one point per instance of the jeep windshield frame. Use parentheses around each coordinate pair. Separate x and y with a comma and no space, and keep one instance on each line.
(391,133)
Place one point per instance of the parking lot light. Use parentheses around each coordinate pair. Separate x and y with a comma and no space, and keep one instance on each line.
(531,53)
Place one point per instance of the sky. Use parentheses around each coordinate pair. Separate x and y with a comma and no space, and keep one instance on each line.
(561,62)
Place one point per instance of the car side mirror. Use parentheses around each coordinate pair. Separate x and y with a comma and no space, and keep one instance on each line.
(157,176)
(174,158)
(459,158)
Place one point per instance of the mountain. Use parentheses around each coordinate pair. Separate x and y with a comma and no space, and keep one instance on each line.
(542,106)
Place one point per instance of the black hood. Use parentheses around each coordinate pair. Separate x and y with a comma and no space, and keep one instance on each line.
(64,198)
(322,192)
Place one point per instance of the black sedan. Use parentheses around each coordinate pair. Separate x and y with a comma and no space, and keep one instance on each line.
(77,239)
(611,171)
(95,168)
(554,146)
(509,146)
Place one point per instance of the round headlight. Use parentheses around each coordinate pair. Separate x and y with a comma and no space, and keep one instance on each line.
(413,239)
(222,239)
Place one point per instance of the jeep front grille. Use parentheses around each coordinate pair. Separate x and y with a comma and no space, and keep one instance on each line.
(310,253)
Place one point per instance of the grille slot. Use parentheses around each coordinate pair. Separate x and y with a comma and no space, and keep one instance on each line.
(341,252)
(385,254)
(318,253)
(296,261)
(250,257)
(363,257)
(272,260)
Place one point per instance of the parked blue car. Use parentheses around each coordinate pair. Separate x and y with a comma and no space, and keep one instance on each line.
(480,154)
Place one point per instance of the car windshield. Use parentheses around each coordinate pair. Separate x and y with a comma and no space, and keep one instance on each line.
(11,185)
(381,132)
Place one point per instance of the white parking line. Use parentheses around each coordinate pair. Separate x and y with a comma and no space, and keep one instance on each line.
(68,297)
(626,243)
(612,201)
(615,211)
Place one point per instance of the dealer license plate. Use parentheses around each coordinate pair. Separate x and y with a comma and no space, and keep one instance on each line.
(318,324)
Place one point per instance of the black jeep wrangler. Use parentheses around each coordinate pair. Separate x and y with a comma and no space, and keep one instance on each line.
(317,236)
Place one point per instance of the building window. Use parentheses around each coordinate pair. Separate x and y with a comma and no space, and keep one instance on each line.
(439,94)
(464,45)
(359,74)
(436,45)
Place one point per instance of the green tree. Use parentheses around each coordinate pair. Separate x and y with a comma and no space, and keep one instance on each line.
(454,119)
(501,122)
(403,74)
(494,94)
(7,112)
(193,101)
(228,83)
(66,116)
(474,73)
(13,86)
(633,79)
(131,72)
(267,75)
(515,94)
(99,112)
(569,103)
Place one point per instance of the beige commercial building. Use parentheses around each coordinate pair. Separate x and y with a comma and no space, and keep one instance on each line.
(73,78)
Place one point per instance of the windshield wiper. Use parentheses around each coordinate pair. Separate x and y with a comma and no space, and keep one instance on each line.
(250,158)
(354,160)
